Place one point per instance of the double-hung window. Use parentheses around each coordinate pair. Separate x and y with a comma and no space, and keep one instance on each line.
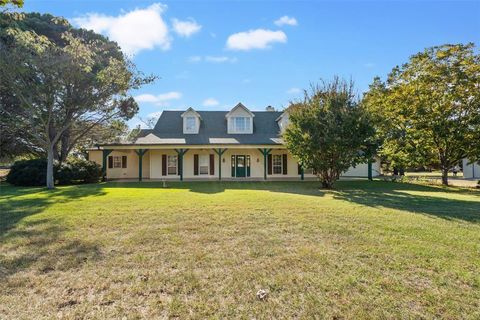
(172,165)
(117,161)
(241,124)
(190,124)
(277,163)
(203,163)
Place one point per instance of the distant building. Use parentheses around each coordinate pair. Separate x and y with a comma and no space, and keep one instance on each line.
(471,169)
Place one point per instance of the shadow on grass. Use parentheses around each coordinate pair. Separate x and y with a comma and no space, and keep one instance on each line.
(213,187)
(416,198)
(17,203)
(40,241)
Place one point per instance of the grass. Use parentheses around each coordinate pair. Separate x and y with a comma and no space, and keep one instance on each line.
(433,174)
(368,250)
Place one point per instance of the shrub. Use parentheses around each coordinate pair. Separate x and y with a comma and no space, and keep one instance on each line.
(33,172)
(28,172)
(78,171)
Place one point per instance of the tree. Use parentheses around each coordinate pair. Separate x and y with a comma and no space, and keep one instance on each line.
(115,131)
(428,111)
(59,83)
(329,132)
(11,3)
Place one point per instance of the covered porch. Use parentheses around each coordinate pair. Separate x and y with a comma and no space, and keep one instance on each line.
(196,163)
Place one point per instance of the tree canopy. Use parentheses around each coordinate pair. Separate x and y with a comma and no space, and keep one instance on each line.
(427,112)
(329,132)
(58,83)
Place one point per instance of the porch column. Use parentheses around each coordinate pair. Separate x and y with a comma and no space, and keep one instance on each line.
(265,153)
(105,153)
(140,153)
(220,152)
(370,175)
(181,153)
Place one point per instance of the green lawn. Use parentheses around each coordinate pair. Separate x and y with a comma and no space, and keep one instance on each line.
(202,250)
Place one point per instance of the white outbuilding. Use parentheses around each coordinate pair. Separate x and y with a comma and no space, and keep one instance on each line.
(471,170)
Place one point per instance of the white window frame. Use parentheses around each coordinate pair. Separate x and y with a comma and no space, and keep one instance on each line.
(175,159)
(188,128)
(246,124)
(117,162)
(204,164)
(277,165)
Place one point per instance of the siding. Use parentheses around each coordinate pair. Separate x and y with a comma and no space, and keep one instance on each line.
(131,171)
(152,165)
(471,170)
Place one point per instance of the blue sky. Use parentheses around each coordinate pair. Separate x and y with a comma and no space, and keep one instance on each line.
(212,54)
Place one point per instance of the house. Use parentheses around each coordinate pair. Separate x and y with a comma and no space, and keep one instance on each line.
(471,170)
(236,144)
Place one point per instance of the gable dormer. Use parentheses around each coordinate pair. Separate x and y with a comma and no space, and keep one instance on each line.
(191,121)
(240,120)
(283,121)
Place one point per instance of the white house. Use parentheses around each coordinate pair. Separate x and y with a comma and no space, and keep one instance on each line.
(236,144)
(471,169)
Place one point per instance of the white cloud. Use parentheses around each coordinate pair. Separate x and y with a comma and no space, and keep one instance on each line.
(220,59)
(286,20)
(369,65)
(294,91)
(194,59)
(140,29)
(161,100)
(255,39)
(212,59)
(210,102)
(185,28)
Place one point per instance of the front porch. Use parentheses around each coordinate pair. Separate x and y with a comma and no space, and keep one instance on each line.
(198,163)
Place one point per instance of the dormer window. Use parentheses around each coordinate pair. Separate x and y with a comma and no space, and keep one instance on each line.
(190,124)
(283,121)
(191,121)
(240,120)
(241,124)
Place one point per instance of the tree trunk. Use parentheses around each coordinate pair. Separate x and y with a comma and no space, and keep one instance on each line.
(327,184)
(327,179)
(445,177)
(50,181)
(64,146)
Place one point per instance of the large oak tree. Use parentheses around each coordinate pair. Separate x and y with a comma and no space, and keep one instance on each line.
(59,83)
(428,111)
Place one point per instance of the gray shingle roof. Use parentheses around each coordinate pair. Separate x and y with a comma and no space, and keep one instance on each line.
(213,130)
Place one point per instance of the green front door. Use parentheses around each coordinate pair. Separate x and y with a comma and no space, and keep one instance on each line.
(240,167)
